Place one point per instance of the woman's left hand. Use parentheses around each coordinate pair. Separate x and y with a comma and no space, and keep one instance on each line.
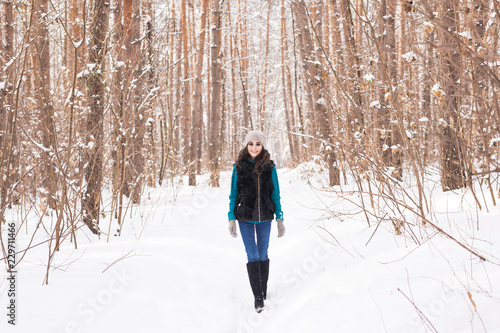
(232,228)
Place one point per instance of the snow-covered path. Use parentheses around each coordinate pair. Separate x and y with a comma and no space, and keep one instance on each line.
(180,271)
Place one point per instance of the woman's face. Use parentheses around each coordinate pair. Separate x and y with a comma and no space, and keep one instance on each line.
(254,148)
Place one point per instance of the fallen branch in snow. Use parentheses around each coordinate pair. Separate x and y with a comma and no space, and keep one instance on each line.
(399,204)
(420,313)
(117,260)
(376,228)
(425,221)
(454,239)
(338,243)
(410,252)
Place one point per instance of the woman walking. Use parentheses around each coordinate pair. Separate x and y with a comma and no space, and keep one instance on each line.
(254,201)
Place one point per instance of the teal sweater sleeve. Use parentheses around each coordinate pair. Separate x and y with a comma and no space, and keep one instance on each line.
(276,195)
(233,196)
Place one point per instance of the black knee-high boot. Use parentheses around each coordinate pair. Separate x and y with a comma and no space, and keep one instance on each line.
(253,269)
(264,275)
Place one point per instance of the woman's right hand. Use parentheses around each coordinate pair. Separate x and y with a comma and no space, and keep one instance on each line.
(232,228)
(281,228)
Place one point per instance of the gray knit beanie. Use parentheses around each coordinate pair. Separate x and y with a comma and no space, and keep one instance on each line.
(255,136)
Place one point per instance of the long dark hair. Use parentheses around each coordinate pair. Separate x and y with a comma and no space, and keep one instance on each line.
(261,160)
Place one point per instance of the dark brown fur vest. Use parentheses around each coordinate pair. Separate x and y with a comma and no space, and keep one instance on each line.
(254,202)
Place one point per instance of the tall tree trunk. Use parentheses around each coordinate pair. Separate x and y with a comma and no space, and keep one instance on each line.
(196,142)
(453,174)
(73,48)
(397,130)
(8,169)
(305,114)
(151,84)
(234,144)
(339,61)
(387,132)
(243,60)
(427,105)
(133,118)
(480,87)
(139,113)
(355,114)
(170,148)
(315,72)
(215,107)
(76,62)
(127,99)
(286,99)
(119,139)
(186,90)
(262,111)
(305,153)
(95,118)
(177,86)
(44,101)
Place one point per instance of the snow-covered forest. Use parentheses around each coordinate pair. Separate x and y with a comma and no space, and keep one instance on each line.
(120,121)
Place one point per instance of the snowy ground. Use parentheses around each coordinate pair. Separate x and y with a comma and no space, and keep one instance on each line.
(180,271)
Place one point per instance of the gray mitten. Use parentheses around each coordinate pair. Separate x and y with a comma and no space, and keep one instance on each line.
(281,228)
(232,228)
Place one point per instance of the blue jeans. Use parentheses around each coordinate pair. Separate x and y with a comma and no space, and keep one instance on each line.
(256,247)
